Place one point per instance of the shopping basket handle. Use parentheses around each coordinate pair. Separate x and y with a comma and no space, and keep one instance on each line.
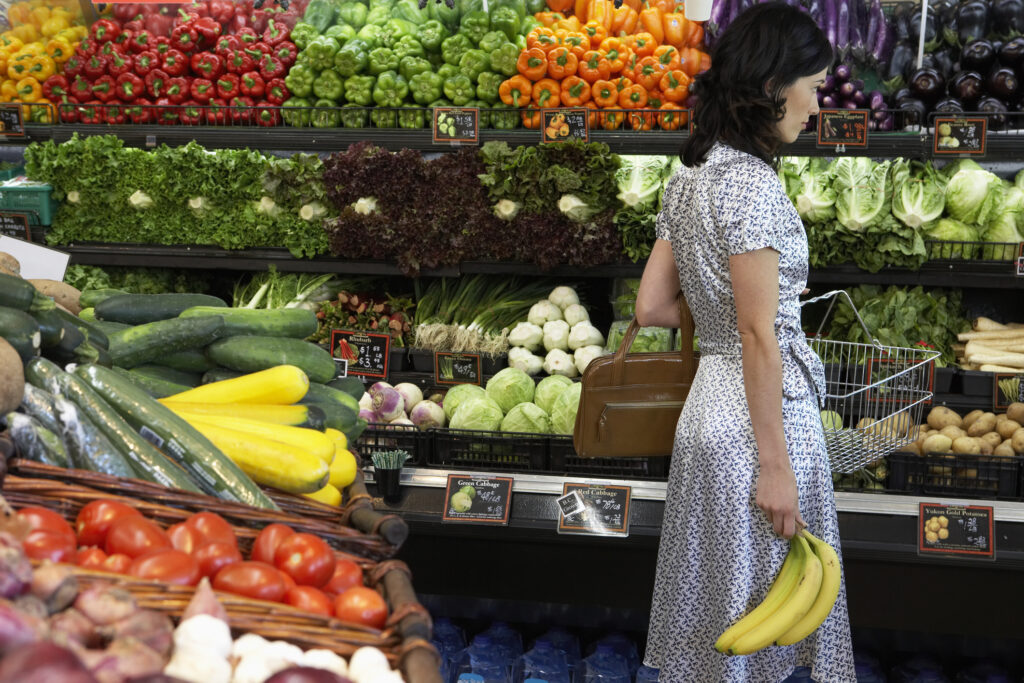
(832,295)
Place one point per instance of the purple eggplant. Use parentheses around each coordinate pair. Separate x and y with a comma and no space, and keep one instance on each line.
(972,20)
(829,102)
(900,65)
(1008,17)
(978,55)
(931,31)
(881,52)
(828,86)
(879,114)
(713,25)
(847,89)
(887,124)
(1011,54)
(850,104)
(876,100)
(914,111)
(872,125)
(927,84)
(843,73)
(901,20)
(996,109)
(871,28)
(967,86)
(949,105)
(814,8)
(831,18)
(1002,83)
(859,98)
(842,43)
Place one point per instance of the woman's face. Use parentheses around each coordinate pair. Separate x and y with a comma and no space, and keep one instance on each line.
(800,104)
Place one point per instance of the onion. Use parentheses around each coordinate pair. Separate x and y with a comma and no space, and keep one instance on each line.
(18,628)
(411,394)
(104,605)
(151,628)
(366,662)
(427,415)
(387,403)
(71,626)
(44,663)
(203,633)
(15,569)
(123,659)
(55,585)
(204,601)
(306,674)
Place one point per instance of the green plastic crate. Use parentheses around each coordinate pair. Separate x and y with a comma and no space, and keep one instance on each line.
(13,172)
(27,197)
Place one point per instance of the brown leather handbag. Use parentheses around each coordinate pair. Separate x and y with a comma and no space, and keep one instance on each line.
(630,402)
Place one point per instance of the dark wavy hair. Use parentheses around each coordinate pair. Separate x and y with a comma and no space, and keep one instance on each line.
(771,45)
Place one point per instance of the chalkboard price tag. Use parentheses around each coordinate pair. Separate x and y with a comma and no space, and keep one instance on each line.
(477,500)
(843,128)
(366,353)
(457,368)
(956,530)
(565,124)
(957,135)
(456,125)
(15,225)
(605,510)
(1008,387)
(11,122)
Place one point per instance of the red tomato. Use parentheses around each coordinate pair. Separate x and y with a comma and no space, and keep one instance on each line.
(213,557)
(361,605)
(41,519)
(49,545)
(289,582)
(135,536)
(212,527)
(184,538)
(346,575)
(265,545)
(118,563)
(91,558)
(252,579)
(309,599)
(170,566)
(306,558)
(94,520)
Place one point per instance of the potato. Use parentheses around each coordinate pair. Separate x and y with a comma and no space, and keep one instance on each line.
(967,445)
(983,425)
(992,439)
(12,378)
(937,443)
(898,425)
(913,447)
(10,264)
(952,432)
(970,417)
(1015,412)
(967,472)
(941,416)
(1004,450)
(865,422)
(984,447)
(65,295)
(1007,427)
(1017,441)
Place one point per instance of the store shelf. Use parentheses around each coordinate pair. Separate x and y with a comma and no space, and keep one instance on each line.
(965,274)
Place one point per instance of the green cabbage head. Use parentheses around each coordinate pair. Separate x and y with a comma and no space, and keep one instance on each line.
(563,413)
(918,200)
(548,391)
(973,196)
(510,387)
(477,413)
(528,418)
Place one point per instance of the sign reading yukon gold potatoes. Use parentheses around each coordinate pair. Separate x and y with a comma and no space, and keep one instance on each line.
(957,135)
(565,124)
(956,530)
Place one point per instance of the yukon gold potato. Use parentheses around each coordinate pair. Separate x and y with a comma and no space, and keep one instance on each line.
(992,439)
(983,425)
(1015,412)
(865,422)
(967,445)
(898,425)
(952,432)
(970,417)
(1007,427)
(1017,441)
(967,473)
(984,447)
(937,443)
(1004,450)
(941,416)
(913,447)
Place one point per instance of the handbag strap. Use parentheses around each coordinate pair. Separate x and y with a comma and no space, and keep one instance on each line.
(686,330)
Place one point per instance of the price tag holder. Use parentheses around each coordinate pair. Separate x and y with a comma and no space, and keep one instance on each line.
(955,135)
(15,225)
(456,125)
(842,128)
(12,124)
(477,500)
(365,353)
(604,512)
(1008,387)
(340,368)
(457,368)
(1020,260)
(565,124)
(956,531)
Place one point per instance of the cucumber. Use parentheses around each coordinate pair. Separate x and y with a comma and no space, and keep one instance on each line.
(21,331)
(149,341)
(337,416)
(157,388)
(36,442)
(96,336)
(321,393)
(268,322)
(88,447)
(218,374)
(189,360)
(146,461)
(165,374)
(51,327)
(353,386)
(252,353)
(138,309)
(21,295)
(38,403)
(210,468)
(90,297)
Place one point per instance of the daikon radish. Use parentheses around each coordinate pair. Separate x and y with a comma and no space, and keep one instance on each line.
(997,368)
(983,324)
(995,334)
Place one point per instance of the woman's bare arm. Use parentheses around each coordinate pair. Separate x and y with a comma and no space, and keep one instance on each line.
(659,289)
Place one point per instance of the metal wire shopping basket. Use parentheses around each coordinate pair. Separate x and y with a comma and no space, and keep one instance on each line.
(875,394)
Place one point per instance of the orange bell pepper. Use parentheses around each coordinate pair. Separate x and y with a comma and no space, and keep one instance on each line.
(594,117)
(616,53)
(542,38)
(546,93)
(578,43)
(548,19)
(667,56)
(594,67)
(694,34)
(580,9)
(568,24)
(532,117)
(596,32)
(666,6)
(675,84)
(562,63)
(655,98)
(643,44)
(649,72)
(637,5)
(624,21)
(533,63)
(674,24)
(612,119)
(575,92)
(516,91)
(602,12)
(560,5)
(651,22)
(605,93)
(641,120)
(672,116)
(692,61)
(629,71)
(633,97)
(622,83)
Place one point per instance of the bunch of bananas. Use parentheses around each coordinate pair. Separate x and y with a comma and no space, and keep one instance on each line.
(800,599)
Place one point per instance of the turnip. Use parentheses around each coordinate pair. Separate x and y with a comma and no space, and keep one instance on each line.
(387,403)
(366,402)
(377,386)
(411,394)
(427,415)
(368,415)
(401,421)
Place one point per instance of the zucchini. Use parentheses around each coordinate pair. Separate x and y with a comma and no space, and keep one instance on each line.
(87,314)
(157,388)
(95,335)
(268,322)
(73,348)
(310,417)
(108,328)
(21,331)
(90,297)
(282,385)
(353,386)
(36,442)
(212,470)
(308,440)
(146,461)
(337,416)
(88,447)
(149,341)
(21,295)
(38,402)
(138,309)
(189,360)
(159,372)
(220,374)
(51,327)
(251,353)
(321,393)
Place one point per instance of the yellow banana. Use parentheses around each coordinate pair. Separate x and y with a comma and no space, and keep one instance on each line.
(827,594)
(792,610)
(784,583)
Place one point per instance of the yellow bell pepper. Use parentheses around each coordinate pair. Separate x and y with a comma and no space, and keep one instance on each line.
(40,15)
(29,89)
(83,31)
(8,91)
(68,35)
(3,64)
(40,3)
(42,67)
(19,13)
(10,43)
(58,50)
(26,32)
(52,27)
(18,67)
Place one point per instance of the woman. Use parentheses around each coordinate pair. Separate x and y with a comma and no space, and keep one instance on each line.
(749,466)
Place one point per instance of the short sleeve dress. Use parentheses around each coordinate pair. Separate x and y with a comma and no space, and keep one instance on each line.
(718,553)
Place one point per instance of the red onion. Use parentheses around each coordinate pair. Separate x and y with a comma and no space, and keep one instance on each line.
(306,674)
(55,585)
(43,663)
(30,604)
(151,628)
(104,605)
(15,569)
(125,658)
(71,626)
(18,628)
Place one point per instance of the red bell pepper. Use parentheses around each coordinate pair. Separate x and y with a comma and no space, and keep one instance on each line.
(87,47)
(286,52)
(247,36)
(146,61)
(177,89)
(56,87)
(94,67)
(104,88)
(222,11)
(128,11)
(110,49)
(67,108)
(253,85)
(159,21)
(156,83)
(276,33)
(184,37)
(162,45)
(271,67)
(239,22)
(226,45)
(120,64)
(140,111)
(217,113)
(73,66)
(207,65)
(277,91)
(202,90)
(175,63)
(124,39)
(259,19)
(114,113)
(239,62)
(92,111)
(208,31)
(259,47)
(199,7)
(135,25)
(241,109)
(105,30)
(141,41)
(267,114)
(228,86)
(166,113)
(130,87)
(81,89)
(190,114)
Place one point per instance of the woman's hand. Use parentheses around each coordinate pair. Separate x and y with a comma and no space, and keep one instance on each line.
(778,498)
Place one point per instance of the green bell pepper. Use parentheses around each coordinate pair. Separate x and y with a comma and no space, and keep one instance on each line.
(492,40)
(474,63)
(430,34)
(394,30)
(302,34)
(341,33)
(467,6)
(319,14)
(487,85)
(435,59)
(485,116)
(529,23)
(447,71)
(298,118)
(408,46)
(410,66)
(410,11)
(384,118)
(534,6)
(475,26)
(354,117)
(459,89)
(353,14)
(300,80)
(503,60)
(517,6)
(439,102)
(390,89)
(352,58)
(320,53)
(425,87)
(329,86)
(447,16)
(325,114)
(505,20)
(359,90)
(378,16)
(387,4)
(370,34)
(453,47)
(507,119)
(383,59)
(411,117)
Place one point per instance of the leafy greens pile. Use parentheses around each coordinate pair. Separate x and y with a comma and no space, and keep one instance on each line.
(137,280)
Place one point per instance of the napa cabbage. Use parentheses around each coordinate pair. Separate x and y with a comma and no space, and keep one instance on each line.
(862,190)
(919,197)
(640,178)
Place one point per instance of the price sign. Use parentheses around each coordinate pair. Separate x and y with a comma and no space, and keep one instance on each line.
(1008,388)
(956,530)
(456,125)
(366,353)
(565,124)
(15,225)
(843,128)
(1020,260)
(457,368)
(605,509)
(957,135)
(11,123)
(477,500)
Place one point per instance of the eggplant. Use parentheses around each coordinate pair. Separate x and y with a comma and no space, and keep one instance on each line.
(1011,54)
(901,19)
(881,53)
(876,100)
(829,102)
(850,104)
(858,28)
(888,124)
(949,105)
(901,63)
(1002,83)
(828,85)
(843,73)
(931,32)
(945,62)
(831,19)
(859,98)
(902,94)
(879,115)
(927,84)
(914,111)
(972,20)
(846,90)
(978,55)
(1008,17)
(842,43)
(871,28)
(967,86)
(996,110)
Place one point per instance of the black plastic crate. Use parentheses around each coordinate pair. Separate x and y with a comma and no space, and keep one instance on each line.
(977,383)
(563,460)
(384,437)
(493,451)
(961,475)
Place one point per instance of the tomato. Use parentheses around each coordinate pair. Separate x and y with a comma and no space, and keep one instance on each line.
(41,519)
(310,599)
(170,566)
(212,527)
(213,557)
(346,574)
(49,545)
(91,558)
(256,580)
(94,520)
(265,545)
(184,538)
(361,605)
(289,582)
(118,563)
(306,558)
(135,536)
